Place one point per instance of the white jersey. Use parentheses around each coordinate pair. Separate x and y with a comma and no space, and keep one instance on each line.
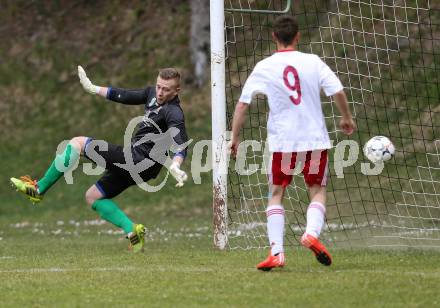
(292,82)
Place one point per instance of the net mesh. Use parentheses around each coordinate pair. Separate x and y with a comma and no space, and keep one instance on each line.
(386,53)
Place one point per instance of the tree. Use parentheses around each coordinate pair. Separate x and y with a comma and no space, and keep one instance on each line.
(199,42)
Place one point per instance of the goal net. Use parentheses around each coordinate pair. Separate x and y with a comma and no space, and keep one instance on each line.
(386,53)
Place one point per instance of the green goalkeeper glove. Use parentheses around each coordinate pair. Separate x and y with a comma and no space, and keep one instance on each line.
(86,83)
(178,174)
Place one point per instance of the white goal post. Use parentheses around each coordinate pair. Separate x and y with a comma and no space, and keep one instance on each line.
(219,143)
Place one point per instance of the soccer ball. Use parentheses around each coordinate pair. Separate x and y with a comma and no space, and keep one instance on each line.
(379,149)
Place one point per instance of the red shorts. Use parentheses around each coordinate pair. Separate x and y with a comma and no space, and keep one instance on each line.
(314,167)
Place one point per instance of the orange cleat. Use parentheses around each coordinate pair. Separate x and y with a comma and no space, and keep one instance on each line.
(318,249)
(271,262)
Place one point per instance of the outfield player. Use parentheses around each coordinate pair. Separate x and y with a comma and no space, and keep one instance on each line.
(162,114)
(296,130)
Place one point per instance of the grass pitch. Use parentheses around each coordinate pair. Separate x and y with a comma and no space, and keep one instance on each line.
(85,263)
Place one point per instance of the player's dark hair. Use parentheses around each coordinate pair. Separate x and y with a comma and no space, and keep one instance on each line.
(169,73)
(285,28)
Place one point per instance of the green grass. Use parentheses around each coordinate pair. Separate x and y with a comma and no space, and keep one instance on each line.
(63,264)
(47,260)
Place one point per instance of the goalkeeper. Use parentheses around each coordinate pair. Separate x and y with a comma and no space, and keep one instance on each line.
(162,114)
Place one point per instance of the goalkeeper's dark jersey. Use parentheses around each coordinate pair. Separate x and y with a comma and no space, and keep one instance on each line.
(157,120)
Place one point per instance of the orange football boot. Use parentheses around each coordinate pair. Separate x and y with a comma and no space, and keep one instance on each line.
(272,262)
(318,249)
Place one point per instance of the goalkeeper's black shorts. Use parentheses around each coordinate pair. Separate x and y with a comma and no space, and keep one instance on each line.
(117,176)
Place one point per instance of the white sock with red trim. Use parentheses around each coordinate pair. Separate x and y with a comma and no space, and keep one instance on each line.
(315,218)
(275,228)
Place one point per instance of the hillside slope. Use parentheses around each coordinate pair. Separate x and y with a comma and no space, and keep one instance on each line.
(119,43)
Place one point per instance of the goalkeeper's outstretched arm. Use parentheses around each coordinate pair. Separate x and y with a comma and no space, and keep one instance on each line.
(123,96)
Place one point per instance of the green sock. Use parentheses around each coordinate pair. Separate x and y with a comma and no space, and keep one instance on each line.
(60,164)
(109,211)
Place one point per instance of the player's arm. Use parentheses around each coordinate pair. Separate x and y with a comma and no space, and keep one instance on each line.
(346,123)
(175,119)
(332,86)
(123,96)
(237,123)
(256,83)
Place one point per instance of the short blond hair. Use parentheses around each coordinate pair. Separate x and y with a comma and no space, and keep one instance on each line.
(169,73)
